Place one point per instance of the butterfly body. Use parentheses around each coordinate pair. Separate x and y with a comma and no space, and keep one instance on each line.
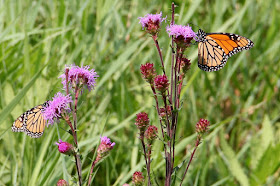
(214,49)
(31,122)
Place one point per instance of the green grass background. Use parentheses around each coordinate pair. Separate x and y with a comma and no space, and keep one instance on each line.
(38,38)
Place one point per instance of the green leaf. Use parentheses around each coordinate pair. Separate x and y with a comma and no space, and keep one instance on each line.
(7,110)
(268,165)
(232,162)
(260,144)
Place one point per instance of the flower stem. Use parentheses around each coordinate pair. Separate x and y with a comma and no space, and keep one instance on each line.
(157,107)
(91,171)
(147,162)
(191,158)
(77,156)
(160,53)
(77,91)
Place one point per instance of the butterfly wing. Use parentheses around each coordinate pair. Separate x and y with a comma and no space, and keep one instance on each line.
(35,122)
(214,49)
(31,122)
(18,125)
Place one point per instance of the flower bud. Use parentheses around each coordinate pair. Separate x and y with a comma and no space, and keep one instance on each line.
(202,126)
(65,147)
(104,148)
(185,65)
(162,112)
(161,83)
(151,133)
(148,72)
(62,182)
(142,121)
(138,178)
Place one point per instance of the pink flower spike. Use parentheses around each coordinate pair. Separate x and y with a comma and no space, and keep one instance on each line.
(80,76)
(59,104)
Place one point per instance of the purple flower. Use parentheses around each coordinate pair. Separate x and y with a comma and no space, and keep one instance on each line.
(80,76)
(151,22)
(104,148)
(182,34)
(65,147)
(105,140)
(56,107)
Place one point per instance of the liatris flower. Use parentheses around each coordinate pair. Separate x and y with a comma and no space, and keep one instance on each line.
(151,133)
(80,76)
(148,72)
(138,178)
(142,121)
(185,65)
(182,34)
(62,182)
(65,147)
(162,112)
(202,126)
(56,107)
(161,83)
(126,184)
(151,22)
(104,148)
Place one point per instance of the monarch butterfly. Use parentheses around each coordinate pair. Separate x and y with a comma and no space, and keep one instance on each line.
(214,49)
(31,122)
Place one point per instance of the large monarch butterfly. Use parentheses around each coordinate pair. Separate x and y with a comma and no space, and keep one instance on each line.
(214,49)
(31,122)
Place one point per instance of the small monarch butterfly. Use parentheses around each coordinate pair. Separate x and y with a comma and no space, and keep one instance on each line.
(214,49)
(31,122)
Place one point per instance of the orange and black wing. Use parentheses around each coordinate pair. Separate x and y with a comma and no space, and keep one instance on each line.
(31,122)
(214,49)
(18,125)
(35,122)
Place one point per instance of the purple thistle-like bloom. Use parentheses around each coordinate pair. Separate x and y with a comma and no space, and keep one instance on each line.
(80,75)
(182,34)
(56,107)
(151,22)
(105,140)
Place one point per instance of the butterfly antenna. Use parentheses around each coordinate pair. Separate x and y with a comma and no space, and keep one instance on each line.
(194,25)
